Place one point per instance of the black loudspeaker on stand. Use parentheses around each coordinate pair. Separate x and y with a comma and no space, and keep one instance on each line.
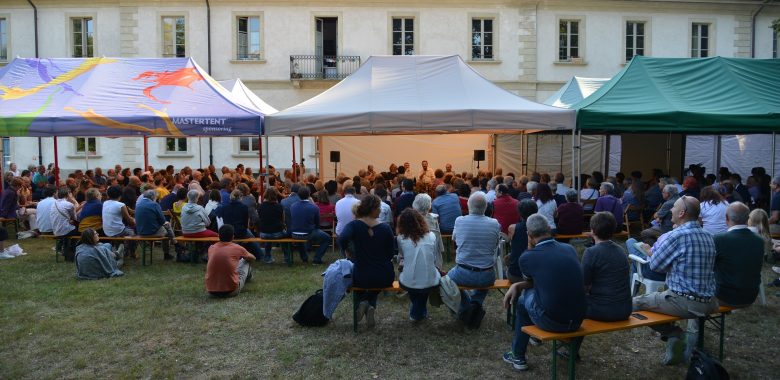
(335,158)
(479,155)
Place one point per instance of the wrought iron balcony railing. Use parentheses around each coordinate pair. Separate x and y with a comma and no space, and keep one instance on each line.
(335,67)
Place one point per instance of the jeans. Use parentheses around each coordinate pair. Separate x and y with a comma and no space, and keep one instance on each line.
(317,237)
(530,313)
(419,299)
(646,271)
(253,248)
(268,246)
(465,277)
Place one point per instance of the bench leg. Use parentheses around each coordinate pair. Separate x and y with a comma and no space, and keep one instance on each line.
(288,255)
(702,323)
(722,328)
(354,311)
(572,352)
(554,362)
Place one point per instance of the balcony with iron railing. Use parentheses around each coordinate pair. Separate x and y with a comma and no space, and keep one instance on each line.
(318,67)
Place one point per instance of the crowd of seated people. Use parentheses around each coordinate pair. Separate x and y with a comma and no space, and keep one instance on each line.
(376,215)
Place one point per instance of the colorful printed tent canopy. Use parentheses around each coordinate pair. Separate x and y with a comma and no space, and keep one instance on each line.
(416,95)
(118,97)
(684,95)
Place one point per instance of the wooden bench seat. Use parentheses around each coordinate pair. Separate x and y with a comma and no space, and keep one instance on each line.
(587,235)
(591,327)
(497,285)
(288,241)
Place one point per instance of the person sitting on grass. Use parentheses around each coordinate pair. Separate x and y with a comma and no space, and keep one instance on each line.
(368,243)
(604,268)
(554,298)
(228,267)
(96,260)
(417,249)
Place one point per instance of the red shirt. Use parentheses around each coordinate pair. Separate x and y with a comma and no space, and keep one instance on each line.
(326,209)
(222,269)
(505,211)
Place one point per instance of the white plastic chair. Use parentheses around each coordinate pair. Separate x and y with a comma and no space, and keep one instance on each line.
(651,286)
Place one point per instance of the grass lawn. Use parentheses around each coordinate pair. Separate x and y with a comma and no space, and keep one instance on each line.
(157,322)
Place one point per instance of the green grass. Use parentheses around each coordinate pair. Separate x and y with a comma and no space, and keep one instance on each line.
(157,322)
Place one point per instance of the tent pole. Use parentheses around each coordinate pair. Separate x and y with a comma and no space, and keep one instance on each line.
(294,174)
(573,144)
(267,159)
(579,160)
(146,154)
(669,153)
(718,142)
(300,144)
(86,152)
(260,157)
(211,151)
(56,164)
(774,142)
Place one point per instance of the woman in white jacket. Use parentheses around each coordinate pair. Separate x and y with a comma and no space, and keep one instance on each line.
(416,248)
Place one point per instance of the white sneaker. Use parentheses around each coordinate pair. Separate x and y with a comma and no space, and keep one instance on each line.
(6,255)
(776,270)
(370,315)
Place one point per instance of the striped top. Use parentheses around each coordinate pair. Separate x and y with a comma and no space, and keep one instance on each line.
(477,240)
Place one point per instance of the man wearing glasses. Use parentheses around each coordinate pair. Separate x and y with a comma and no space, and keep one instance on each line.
(687,255)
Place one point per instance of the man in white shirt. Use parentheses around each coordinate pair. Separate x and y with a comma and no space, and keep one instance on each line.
(344,213)
(62,216)
(427,175)
(44,211)
(562,188)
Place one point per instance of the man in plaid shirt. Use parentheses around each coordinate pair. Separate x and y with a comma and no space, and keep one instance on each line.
(687,255)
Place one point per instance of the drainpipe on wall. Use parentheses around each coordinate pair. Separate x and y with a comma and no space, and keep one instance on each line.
(208,70)
(753,29)
(35,27)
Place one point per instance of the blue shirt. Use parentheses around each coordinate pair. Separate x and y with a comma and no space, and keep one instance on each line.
(148,217)
(557,279)
(224,197)
(688,256)
(235,214)
(477,239)
(448,208)
(305,217)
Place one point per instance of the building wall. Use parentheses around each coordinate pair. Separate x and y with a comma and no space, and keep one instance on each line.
(525,49)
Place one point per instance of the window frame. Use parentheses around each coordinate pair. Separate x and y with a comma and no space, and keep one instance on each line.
(84,35)
(87,140)
(176,143)
(69,41)
(161,26)
(711,40)
(580,20)
(415,32)
(250,150)
(235,40)
(495,28)
(647,36)
(6,19)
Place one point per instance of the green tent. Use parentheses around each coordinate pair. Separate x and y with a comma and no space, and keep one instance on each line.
(683,95)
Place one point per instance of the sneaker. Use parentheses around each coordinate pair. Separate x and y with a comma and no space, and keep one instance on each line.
(675,349)
(361,311)
(269,260)
(776,270)
(517,363)
(535,342)
(370,317)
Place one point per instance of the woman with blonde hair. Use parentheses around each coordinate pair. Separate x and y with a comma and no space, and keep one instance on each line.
(758,222)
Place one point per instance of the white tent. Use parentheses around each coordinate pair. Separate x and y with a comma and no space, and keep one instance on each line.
(576,89)
(416,95)
(245,97)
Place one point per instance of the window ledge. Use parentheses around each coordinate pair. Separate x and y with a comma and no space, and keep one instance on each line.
(570,63)
(91,156)
(484,61)
(245,154)
(176,155)
(247,61)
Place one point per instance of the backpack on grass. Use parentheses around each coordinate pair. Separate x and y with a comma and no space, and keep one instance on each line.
(704,367)
(310,313)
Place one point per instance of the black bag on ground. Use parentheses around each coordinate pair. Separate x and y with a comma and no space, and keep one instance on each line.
(704,367)
(310,312)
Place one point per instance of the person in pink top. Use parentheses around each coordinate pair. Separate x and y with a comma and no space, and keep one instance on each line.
(327,210)
(505,208)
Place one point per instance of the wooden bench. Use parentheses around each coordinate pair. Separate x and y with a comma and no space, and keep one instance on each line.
(591,327)
(288,241)
(587,235)
(497,285)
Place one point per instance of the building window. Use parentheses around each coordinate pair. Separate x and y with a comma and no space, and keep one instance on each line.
(568,40)
(403,36)
(175,145)
(3,39)
(173,33)
(248,144)
(635,39)
(88,143)
(248,38)
(83,37)
(481,38)
(700,40)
